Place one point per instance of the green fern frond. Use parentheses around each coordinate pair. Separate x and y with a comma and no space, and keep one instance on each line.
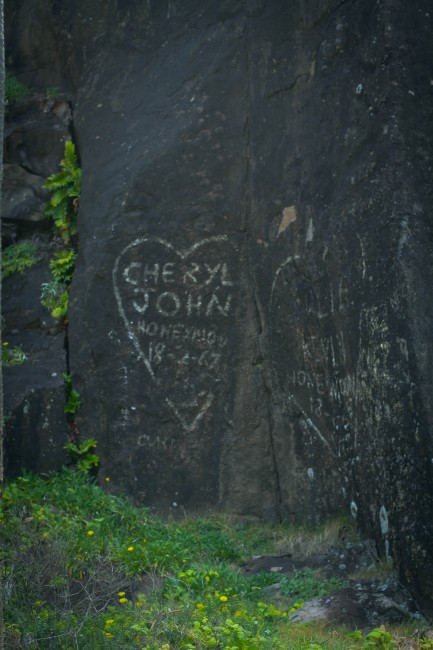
(62,209)
(65,187)
(58,181)
(57,212)
(70,161)
(62,266)
(59,196)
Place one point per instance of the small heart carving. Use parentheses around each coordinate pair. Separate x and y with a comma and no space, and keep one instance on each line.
(178,308)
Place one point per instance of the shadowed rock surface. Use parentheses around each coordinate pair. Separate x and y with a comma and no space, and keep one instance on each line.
(251,326)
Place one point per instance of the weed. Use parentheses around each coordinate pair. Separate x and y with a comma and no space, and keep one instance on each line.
(55,297)
(12,356)
(55,294)
(379,638)
(16,258)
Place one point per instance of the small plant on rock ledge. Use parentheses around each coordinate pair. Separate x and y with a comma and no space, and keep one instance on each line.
(12,356)
(16,258)
(14,89)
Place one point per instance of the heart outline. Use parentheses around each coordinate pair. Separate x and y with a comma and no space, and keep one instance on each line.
(131,334)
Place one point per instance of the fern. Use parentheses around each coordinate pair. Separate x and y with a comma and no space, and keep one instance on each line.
(81,454)
(65,187)
(62,266)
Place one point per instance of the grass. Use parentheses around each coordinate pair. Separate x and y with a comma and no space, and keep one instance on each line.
(302,542)
(86,570)
(13,88)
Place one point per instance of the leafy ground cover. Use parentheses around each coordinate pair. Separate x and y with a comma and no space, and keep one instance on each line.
(84,569)
(16,258)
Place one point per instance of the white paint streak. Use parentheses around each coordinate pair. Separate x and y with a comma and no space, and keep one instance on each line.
(384,523)
(310,422)
(291,258)
(310,231)
(364,269)
(192,425)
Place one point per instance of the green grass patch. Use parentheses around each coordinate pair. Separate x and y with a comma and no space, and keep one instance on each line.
(14,89)
(86,570)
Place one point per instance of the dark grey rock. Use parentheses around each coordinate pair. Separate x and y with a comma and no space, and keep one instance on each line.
(35,134)
(34,393)
(363,605)
(23,197)
(36,430)
(289,149)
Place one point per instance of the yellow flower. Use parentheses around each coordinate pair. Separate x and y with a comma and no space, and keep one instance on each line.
(108,635)
(200,606)
(139,603)
(165,646)
(90,533)
(144,540)
(207,579)
(109,622)
(123,600)
(121,593)
(5,344)
(130,549)
(107,478)
(223,599)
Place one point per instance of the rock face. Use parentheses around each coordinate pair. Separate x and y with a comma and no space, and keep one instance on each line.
(250,323)
(36,429)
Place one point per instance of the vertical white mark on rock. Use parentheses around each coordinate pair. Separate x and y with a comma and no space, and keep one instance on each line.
(383,518)
(310,231)
(310,473)
(353,509)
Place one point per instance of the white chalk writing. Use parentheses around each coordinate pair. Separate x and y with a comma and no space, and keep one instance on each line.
(177,307)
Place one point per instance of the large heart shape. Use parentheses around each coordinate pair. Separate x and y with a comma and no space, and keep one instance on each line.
(178,308)
(302,341)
